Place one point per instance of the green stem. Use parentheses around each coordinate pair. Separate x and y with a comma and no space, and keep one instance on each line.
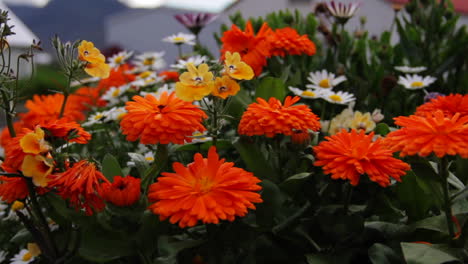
(160,160)
(65,94)
(179,48)
(8,115)
(348,194)
(444,173)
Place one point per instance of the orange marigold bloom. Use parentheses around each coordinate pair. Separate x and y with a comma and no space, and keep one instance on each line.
(88,97)
(170,76)
(209,190)
(450,105)
(118,77)
(348,155)
(5,135)
(69,131)
(254,49)
(271,118)
(81,185)
(43,108)
(124,191)
(13,188)
(436,133)
(14,153)
(286,41)
(164,120)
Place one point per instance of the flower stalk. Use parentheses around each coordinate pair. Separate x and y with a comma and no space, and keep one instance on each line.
(444,173)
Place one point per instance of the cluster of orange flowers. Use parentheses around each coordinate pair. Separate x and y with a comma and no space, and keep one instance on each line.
(256,48)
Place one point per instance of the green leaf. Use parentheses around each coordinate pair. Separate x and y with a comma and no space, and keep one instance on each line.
(22,237)
(382,129)
(273,199)
(416,253)
(111,167)
(292,183)
(413,199)
(382,254)
(271,87)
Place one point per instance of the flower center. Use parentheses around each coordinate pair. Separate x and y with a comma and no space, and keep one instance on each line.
(119,59)
(335,97)
(232,68)
(145,74)
(325,83)
(308,93)
(86,53)
(417,84)
(17,205)
(148,61)
(149,159)
(178,39)
(222,89)
(98,117)
(27,257)
(116,93)
(198,79)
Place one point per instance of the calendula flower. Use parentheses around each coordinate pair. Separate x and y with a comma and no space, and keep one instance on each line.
(181,38)
(81,186)
(341,121)
(362,121)
(150,61)
(235,68)
(67,130)
(449,105)
(162,120)
(38,168)
(169,76)
(324,80)
(119,58)
(195,21)
(194,84)
(414,82)
(339,97)
(118,77)
(254,49)
(224,87)
(165,88)
(115,114)
(342,11)
(123,191)
(286,41)
(95,62)
(89,97)
(309,94)
(207,190)
(432,133)
(13,188)
(113,96)
(406,69)
(273,117)
(348,155)
(23,257)
(195,60)
(34,142)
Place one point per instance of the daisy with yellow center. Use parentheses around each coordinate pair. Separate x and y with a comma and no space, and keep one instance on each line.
(339,97)
(236,68)
(324,80)
(115,114)
(119,58)
(23,257)
(224,87)
(34,142)
(181,38)
(114,95)
(201,137)
(149,61)
(194,84)
(95,62)
(96,118)
(309,94)
(414,82)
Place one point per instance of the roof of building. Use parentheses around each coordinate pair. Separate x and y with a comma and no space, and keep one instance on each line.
(24,36)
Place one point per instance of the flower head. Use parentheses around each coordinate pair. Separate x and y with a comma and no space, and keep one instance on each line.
(124,191)
(195,83)
(34,142)
(13,188)
(273,117)
(207,190)
(38,168)
(324,80)
(81,185)
(224,87)
(286,41)
(341,11)
(23,257)
(150,61)
(348,155)
(341,121)
(406,69)
(95,62)
(118,77)
(195,60)
(414,82)
(362,121)
(161,120)
(120,58)
(195,21)
(339,97)
(450,105)
(431,133)
(169,76)
(181,38)
(68,130)
(308,94)
(254,49)
(236,68)
(113,96)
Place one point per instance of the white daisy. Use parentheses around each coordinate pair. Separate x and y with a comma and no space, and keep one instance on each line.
(338,97)
(150,60)
(96,118)
(113,95)
(407,69)
(147,78)
(147,157)
(342,10)
(196,60)
(23,257)
(324,80)
(199,137)
(309,94)
(115,114)
(414,82)
(181,38)
(119,58)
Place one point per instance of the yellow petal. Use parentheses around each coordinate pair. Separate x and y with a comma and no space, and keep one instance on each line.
(101,70)
(34,249)
(191,93)
(34,142)
(38,168)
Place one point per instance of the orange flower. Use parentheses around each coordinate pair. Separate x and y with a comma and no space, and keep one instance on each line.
(236,68)
(95,62)
(224,87)
(271,118)
(69,131)
(14,153)
(118,77)
(450,105)
(170,76)
(43,108)
(124,191)
(209,190)
(436,133)
(348,155)
(164,120)
(5,135)
(287,41)
(81,185)
(13,188)
(88,97)
(38,168)
(254,49)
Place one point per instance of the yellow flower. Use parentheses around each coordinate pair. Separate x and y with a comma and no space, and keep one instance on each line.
(37,167)
(95,62)
(17,205)
(362,121)
(34,249)
(194,84)
(34,142)
(341,121)
(236,68)
(224,87)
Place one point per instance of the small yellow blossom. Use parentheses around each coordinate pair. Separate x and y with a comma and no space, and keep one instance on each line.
(37,167)
(34,142)
(236,68)
(194,84)
(95,62)
(341,121)
(224,87)
(17,205)
(362,121)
